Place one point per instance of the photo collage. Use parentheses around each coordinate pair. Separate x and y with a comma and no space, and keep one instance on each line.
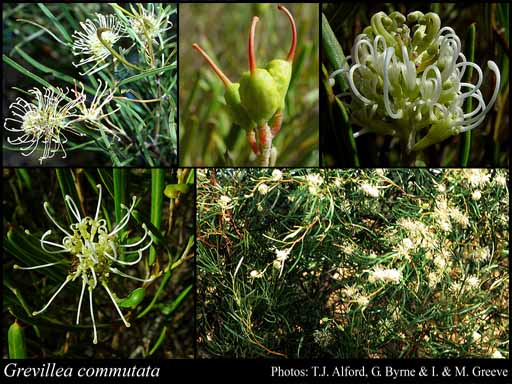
(256,181)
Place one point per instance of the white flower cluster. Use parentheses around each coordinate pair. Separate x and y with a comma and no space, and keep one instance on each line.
(95,252)
(47,119)
(281,257)
(370,190)
(314,181)
(406,77)
(386,275)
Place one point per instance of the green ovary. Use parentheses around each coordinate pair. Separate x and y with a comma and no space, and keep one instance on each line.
(260,95)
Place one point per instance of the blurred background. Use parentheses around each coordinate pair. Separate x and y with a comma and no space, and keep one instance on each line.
(490,142)
(207,134)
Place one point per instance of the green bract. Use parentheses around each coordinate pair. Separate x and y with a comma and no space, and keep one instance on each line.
(237,110)
(281,71)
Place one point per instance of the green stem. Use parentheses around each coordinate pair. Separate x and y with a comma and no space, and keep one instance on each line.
(99,32)
(119,178)
(465,145)
(164,282)
(157,198)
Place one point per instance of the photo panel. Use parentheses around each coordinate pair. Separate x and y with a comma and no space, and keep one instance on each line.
(416,84)
(249,84)
(90,84)
(352,264)
(101,266)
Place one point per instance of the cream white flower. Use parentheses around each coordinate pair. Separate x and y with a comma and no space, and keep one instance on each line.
(87,42)
(481,254)
(148,24)
(362,300)
(314,181)
(95,252)
(43,120)
(281,256)
(277,175)
(102,97)
(476,195)
(500,180)
(370,190)
(455,288)
(433,279)
(405,78)
(225,202)
(459,217)
(263,189)
(440,262)
(497,355)
(477,177)
(350,291)
(386,275)
(473,282)
(256,274)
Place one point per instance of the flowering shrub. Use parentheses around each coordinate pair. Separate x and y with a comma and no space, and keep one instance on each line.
(97,282)
(118,61)
(347,263)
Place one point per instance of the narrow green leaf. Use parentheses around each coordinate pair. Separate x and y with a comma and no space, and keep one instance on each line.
(26,72)
(50,71)
(157,198)
(119,179)
(465,144)
(46,30)
(148,73)
(163,283)
(54,21)
(168,309)
(67,187)
(333,51)
(159,341)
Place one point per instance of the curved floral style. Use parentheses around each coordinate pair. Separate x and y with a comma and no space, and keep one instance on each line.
(42,120)
(149,24)
(405,78)
(88,42)
(95,252)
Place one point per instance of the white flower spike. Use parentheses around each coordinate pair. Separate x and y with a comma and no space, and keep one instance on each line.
(94,251)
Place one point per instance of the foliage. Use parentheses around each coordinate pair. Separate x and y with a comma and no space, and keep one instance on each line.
(305,263)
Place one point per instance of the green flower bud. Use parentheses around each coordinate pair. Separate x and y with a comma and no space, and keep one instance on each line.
(231,95)
(236,109)
(281,71)
(259,95)
(258,90)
